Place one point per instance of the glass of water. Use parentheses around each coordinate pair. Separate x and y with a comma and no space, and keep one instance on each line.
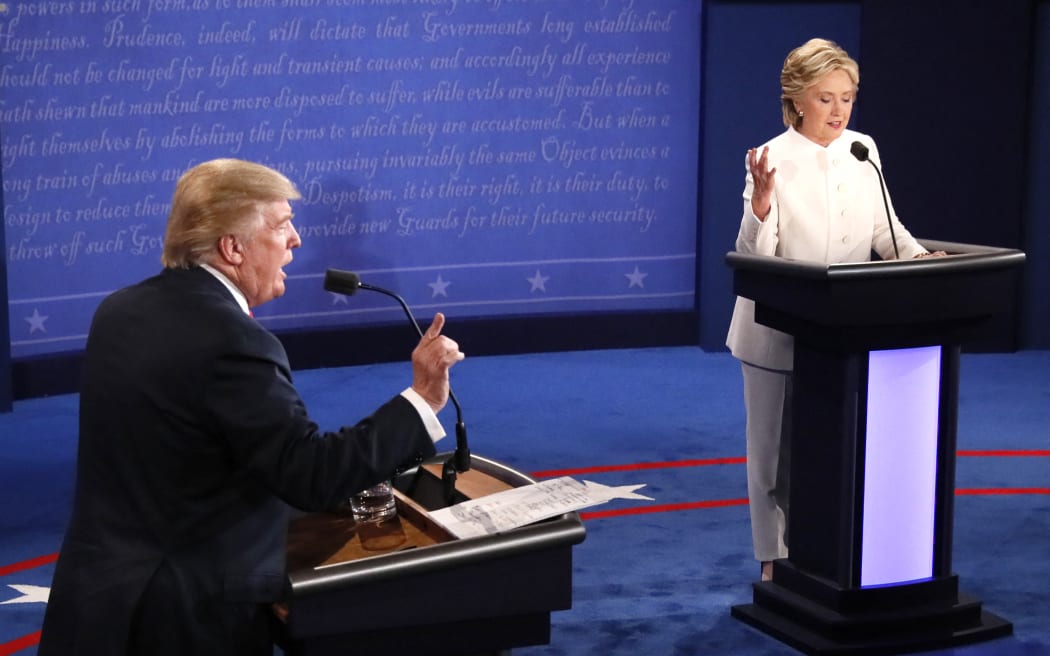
(374,504)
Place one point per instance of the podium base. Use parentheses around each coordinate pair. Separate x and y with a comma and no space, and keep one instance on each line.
(813,628)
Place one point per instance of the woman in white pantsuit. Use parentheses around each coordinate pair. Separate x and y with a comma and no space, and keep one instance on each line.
(806,197)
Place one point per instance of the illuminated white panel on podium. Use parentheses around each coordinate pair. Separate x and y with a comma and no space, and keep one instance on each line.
(900,465)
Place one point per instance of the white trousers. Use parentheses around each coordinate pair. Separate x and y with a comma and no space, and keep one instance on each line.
(767,401)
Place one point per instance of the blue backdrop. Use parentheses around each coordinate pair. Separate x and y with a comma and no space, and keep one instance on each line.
(556,142)
(488,157)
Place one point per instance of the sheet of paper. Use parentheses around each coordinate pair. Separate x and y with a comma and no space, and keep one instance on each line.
(527,504)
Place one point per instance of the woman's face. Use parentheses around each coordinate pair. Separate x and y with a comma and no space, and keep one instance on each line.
(826,107)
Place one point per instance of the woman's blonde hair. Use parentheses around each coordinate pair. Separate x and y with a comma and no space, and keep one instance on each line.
(217,198)
(805,66)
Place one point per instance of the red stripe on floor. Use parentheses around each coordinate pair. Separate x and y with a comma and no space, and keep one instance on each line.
(19,644)
(739,460)
(553,473)
(28,564)
(669,507)
(1002,490)
(1005,452)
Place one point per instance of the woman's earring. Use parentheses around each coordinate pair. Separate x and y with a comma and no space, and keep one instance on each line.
(801,113)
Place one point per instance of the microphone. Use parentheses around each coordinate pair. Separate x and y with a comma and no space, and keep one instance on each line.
(347,283)
(860,151)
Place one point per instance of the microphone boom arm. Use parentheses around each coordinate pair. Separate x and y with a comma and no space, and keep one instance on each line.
(347,283)
(860,151)
(462,451)
(886,204)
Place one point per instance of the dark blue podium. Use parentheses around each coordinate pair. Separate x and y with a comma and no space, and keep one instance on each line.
(876,380)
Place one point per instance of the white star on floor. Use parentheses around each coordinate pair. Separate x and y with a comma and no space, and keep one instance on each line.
(31,594)
(538,282)
(602,493)
(636,278)
(36,322)
(439,287)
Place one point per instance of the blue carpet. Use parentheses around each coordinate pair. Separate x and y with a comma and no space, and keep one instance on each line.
(650,584)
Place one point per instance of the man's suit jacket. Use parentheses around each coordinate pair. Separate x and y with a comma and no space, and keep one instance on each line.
(192,441)
(826,207)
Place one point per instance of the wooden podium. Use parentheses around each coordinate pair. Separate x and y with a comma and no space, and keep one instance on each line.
(406,586)
(875,397)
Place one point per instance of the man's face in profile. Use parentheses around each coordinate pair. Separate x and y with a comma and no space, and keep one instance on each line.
(267,251)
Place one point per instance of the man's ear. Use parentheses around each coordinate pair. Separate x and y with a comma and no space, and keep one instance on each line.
(231,250)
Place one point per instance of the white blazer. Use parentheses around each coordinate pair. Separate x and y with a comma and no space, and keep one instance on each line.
(826,207)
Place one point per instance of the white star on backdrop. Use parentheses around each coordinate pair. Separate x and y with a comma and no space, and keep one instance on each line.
(439,287)
(538,282)
(636,278)
(36,322)
(31,594)
(339,298)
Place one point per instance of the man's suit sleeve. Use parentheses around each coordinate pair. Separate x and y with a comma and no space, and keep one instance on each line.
(255,406)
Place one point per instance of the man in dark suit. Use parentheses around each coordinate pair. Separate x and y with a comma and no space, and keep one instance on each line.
(194,442)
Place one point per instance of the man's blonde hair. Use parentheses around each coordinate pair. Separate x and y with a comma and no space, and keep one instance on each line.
(217,198)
